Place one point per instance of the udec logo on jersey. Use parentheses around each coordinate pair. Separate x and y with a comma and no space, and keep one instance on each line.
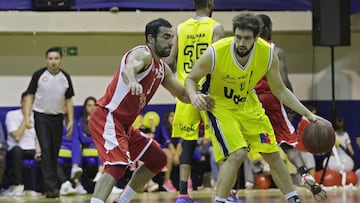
(264,138)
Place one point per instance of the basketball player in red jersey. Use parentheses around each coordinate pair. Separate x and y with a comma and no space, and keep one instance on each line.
(140,73)
(284,130)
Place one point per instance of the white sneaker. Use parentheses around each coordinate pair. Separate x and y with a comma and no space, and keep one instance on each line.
(67,189)
(17,190)
(249,185)
(76,172)
(152,186)
(116,190)
(97,177)
(80,190)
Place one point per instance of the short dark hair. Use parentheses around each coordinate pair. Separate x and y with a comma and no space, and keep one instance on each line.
(247,21)
(53,49)
(152,28)
(200,3)
(265,19)
(265,32)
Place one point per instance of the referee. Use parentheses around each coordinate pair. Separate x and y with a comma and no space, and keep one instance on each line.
(49,92)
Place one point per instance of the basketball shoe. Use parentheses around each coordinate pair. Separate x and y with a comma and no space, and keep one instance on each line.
(309,182)
(185,199)
(294,199)
(232,198)
(168,186)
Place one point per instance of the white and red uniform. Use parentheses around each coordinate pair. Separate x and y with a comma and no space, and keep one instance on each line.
(300,128)
(275,110)
(110,123)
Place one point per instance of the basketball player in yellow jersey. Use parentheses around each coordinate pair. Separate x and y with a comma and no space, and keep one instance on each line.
(236,116)
(192,38)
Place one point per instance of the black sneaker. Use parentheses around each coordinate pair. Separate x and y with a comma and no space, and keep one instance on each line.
(309,182)
(52,194)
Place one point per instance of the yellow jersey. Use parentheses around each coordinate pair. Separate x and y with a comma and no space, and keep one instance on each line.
(194,36)
(231,83)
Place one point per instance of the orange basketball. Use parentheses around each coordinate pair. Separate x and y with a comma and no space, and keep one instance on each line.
(319,137)
(262,181)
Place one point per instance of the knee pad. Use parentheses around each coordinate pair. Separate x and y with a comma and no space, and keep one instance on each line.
(154,158)
(187,152)
(116,171)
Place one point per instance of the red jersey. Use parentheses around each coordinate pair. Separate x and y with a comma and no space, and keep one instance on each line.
(275,110)
(118,99)
(300,128)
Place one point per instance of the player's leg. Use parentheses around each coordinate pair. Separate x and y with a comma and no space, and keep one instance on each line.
(185,126)
(227,177)
(117,154)
(281,176)
(185,166)
(230,149)
(144,149)
(307,180)
(309,161)
(263,140)
(107,181)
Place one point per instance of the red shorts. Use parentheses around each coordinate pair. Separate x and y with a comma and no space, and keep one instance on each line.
(284,130)
(116,144)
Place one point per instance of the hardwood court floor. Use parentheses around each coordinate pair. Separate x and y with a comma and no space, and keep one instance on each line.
(249,196)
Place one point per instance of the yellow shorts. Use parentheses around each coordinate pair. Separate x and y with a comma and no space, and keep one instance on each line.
(186,122)
(236,129)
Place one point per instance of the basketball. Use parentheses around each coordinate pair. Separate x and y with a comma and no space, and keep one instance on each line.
(318,137)
(262,181)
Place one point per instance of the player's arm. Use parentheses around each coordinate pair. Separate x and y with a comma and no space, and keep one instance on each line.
(283,69)
(171,59)
(218,32)
(174,86)
(201,68)
(279,89)
(136,62)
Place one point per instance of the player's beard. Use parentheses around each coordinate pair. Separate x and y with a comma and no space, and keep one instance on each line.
(162,51)
(242,53)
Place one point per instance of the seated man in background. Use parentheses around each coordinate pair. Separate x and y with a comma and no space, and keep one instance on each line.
(22,144)
(2,153)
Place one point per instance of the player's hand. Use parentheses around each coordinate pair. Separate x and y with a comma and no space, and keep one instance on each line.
(312,118)
(202,101)
(135,88)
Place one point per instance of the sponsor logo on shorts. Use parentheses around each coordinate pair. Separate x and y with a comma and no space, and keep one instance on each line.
(264,138)
(187,128)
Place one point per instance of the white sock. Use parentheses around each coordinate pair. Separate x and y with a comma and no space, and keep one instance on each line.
(290,194)
(127,195)
(96,200)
